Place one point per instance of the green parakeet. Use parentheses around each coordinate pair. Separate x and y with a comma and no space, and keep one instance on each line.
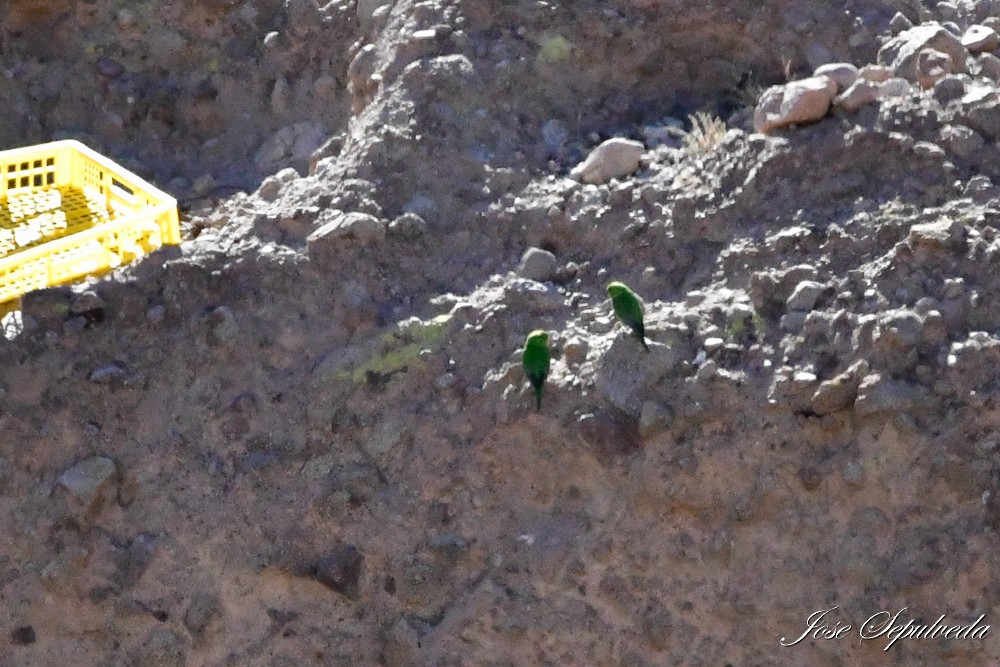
(536,359)
(628,309)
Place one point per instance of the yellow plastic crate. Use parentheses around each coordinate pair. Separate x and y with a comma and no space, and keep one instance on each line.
(68,212)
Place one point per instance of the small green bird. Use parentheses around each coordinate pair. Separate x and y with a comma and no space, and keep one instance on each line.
(628,309)
(536,359)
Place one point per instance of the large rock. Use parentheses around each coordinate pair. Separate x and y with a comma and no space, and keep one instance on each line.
(841,391)
(979,38)
(845,74)
(902,52)
(932,66)
(614,158)
(537,264)
(360,227)
(625,371)
(804,101)
(860,93)
(879,394)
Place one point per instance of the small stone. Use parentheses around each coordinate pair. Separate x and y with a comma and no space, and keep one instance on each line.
(791,388)
(47,307)
(203,184)
(875,73)
(270,188)
(87,478)
(203,608)
(449,547)
(615,158)
(161,648)
(86,302)
(575,350)
(109,68)
(156,314)
(366,10)
(22,635)
(804,101)
(979,38)
(961,140)
(949,88)
(793,322)
(841,391)
(654,418)
(292,145)
(894,87)
(899,330)
(707,370)
(844,74)
(942,234)
(554,134)
(537,264)
(222,325)
(74,325)
(860,93)
(989,66)
(878,394)
(898,23)
(805,295)
(853,472)
(340,570)
(106,374)
(360,227)
(408,227)
(713,343)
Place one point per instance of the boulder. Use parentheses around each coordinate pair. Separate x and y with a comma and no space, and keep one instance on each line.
(804,101)
(615,158)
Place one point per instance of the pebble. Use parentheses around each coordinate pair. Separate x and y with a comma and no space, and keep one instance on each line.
(86,479)
(340,570)
(156,314)
(898,23)
(408,226)
(200,612)
(714,343)
(853,472)
(894,87)
(106,374)
(554,134)
(989,66)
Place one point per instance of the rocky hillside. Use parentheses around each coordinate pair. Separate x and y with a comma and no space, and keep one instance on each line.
(304,436)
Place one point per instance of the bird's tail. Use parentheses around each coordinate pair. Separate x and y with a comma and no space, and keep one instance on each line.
(644,346)
(538,399)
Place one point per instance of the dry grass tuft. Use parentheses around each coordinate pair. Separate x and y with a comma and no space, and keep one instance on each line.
(705,134)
